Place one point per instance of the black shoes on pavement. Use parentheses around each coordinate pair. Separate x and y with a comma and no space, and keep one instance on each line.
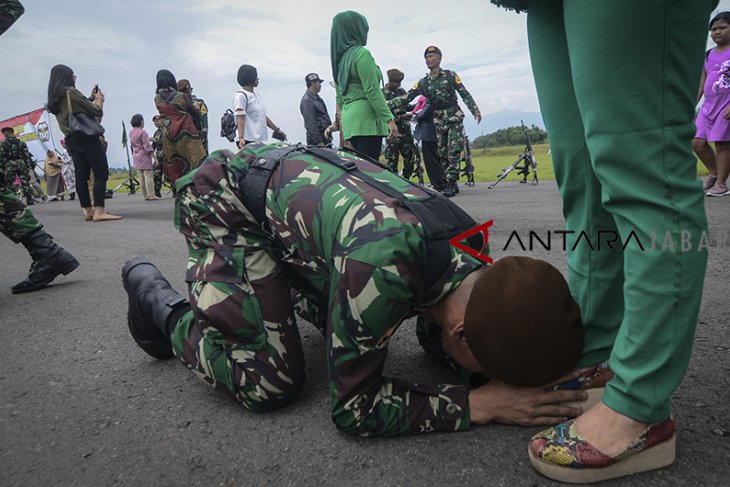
(154,307)
(49,261)
(451,189)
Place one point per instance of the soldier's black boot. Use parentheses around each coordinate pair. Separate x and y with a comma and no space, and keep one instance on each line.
(450,190)
(49,261)
(154,307)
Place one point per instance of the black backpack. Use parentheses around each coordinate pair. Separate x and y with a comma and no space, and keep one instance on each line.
(228,125)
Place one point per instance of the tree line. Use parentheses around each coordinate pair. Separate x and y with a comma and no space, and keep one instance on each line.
(510,136)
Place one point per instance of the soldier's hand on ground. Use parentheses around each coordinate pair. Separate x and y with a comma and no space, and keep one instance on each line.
(499,402)
(392,129)
(478,117)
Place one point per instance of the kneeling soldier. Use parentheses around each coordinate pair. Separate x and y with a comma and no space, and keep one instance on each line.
(355,250)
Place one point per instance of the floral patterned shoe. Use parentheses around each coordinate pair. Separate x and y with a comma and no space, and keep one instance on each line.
(592,381)
(561,454)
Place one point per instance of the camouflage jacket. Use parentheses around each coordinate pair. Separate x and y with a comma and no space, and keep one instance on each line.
(202,108)
(157,145)
(360,258)
(10,11)
(14,150)
(398,105)
(441,92)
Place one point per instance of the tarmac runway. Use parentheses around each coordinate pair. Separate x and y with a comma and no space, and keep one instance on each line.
(82,405)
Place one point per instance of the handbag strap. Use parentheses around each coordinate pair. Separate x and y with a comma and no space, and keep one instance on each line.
(68,101)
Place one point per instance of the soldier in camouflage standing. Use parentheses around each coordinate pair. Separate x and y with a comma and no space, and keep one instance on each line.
(156,142)
(440,87)
(18,223)
(335,239)
(16,161)
(403,144)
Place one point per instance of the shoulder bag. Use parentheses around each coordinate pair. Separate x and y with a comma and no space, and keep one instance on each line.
(82,123)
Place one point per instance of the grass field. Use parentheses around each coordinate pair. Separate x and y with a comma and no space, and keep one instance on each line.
(488,163)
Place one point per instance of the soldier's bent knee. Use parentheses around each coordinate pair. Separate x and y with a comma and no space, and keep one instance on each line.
(267,397)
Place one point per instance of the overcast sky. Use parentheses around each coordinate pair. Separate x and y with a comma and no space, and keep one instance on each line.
(122,44)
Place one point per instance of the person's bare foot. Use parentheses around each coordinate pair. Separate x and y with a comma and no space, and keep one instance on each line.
(88,214)
(609,431)
(104,216)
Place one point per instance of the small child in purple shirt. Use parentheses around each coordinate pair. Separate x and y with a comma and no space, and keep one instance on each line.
(713,119)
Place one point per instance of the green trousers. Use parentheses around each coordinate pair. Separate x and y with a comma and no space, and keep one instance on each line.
(16,220)
(617,83)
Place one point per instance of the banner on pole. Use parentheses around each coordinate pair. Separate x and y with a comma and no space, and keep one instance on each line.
(34,129)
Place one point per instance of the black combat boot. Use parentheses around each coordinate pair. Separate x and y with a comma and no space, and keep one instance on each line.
(154,307)
(450,190)
(49,260)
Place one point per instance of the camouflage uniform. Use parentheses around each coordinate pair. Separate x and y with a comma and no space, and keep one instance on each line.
(403,144)
(447,116)
(202,108)
(16,221)
(356,257)
(157,167)
(15,160)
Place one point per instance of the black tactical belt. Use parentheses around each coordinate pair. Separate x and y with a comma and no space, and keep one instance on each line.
(253,185)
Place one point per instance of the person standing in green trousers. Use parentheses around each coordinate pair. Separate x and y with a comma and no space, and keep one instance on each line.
(616,83)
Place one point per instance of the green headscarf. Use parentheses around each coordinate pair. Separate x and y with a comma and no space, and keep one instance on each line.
(349,34)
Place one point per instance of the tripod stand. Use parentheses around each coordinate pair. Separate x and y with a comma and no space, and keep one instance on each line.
(131,183)
(527,158)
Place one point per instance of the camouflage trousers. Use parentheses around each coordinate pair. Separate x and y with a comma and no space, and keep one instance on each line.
(16,221)
(241,336)
(404,146)
(450,134)
(157,177)
(19,169)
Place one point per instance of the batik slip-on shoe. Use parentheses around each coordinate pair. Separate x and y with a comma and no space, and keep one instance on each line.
(561,454)
(592,381)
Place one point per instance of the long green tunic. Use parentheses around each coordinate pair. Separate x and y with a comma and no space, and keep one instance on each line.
(364,110)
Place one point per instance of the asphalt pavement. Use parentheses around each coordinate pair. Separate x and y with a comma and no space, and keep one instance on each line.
(82,405)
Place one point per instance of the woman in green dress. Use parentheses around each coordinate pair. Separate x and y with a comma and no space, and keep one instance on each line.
(364,115)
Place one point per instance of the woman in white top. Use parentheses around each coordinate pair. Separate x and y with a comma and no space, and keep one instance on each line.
(248,107)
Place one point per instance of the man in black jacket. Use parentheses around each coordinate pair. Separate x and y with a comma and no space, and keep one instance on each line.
(314,111)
